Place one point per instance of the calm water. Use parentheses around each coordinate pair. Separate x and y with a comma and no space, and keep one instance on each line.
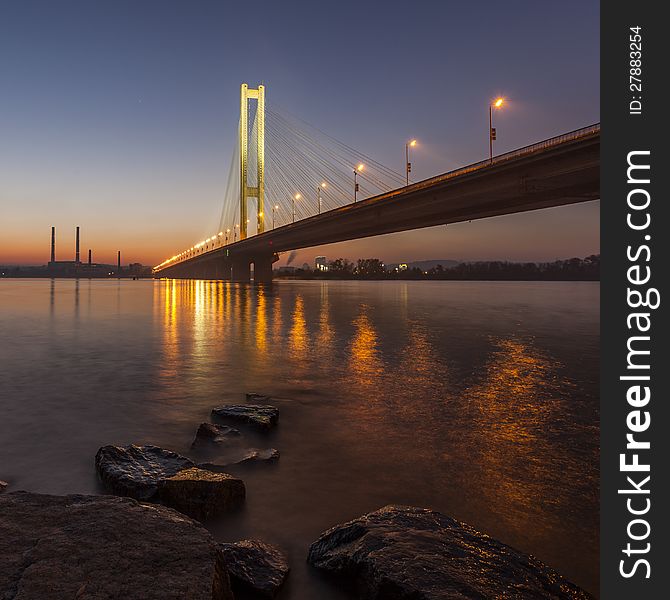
(476,399)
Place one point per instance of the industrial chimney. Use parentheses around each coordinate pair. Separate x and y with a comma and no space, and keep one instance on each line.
(118,262)
(76,253)
(89,256)
(53,244)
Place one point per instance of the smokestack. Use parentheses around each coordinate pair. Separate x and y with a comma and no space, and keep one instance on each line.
(118,261)
(76,253)
(89,256)
(53,244)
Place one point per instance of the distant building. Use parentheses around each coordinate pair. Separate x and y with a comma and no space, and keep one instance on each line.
(320,263)
(305,267)
(286,269)
(402,267)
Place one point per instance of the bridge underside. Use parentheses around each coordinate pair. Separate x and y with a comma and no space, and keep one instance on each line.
(562,174)
(215,266)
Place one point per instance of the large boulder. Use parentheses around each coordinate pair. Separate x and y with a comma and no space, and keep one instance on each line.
(154,474)
(103,547)
(256,569)
(3,486)
(261,416)
(415,553)
(136,470)
(202,494)
(211,433)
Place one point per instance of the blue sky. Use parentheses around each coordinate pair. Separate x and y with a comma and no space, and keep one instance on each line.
(121,116)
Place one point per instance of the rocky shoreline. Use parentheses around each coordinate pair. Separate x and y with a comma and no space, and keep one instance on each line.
(147,541)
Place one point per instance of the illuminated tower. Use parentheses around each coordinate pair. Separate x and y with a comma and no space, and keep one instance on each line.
(247,191)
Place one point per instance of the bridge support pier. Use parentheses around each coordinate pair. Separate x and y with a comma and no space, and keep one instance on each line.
(241,270)
(263,269)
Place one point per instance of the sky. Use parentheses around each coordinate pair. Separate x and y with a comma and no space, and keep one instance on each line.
(120,116)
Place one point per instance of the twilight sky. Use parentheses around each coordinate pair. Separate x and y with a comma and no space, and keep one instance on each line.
(120,116)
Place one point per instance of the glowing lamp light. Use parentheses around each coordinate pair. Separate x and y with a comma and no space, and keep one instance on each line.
(412,143)
(498,103)
(360,167)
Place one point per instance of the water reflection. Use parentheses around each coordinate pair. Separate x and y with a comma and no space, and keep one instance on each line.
(298,340)
(456,401)
(365,364)
(261,322)
(326,331)
(517,434)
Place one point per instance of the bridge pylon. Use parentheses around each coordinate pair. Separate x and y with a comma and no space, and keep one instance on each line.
(247,191)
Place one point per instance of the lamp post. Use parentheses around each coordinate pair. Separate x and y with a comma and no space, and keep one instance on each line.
(357,170)
(275,208)
(497,103)
(237,226)
(227,235)
(318,194)
(296,197)
(408,165)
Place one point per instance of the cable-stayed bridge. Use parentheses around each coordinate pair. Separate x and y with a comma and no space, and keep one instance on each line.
(291,185)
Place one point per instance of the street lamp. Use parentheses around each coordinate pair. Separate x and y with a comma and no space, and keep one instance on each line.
(497,103)
(296,197)
(318,193)
(408,165)
(275,208)
(357,170)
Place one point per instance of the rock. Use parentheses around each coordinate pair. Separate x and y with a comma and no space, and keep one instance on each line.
(202,494)
(269,455)
(255,567)
(136,470)
(249,457)
(209,432)
(101,547)
(3,486)
(414,553)
(262,416)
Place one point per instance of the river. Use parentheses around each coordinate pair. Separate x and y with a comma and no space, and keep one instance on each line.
(478,399)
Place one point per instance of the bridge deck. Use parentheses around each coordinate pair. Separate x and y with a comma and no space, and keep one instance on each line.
(558,171)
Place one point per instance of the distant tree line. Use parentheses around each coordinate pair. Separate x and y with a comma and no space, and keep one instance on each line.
(573,269)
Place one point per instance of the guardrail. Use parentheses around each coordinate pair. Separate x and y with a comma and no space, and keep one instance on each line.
(571,136)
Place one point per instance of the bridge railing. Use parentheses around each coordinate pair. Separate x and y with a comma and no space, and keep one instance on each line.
(577,134)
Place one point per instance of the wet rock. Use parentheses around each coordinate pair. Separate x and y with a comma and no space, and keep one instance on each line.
(136,470)
(202,494)
(3,486)
(261,416)
(248,457)
(210,432)
(256,568)
(419,554)
(95,547)
(269,455)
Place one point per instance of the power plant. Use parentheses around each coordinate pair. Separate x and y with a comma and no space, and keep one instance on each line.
(63,267)
(76,268)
